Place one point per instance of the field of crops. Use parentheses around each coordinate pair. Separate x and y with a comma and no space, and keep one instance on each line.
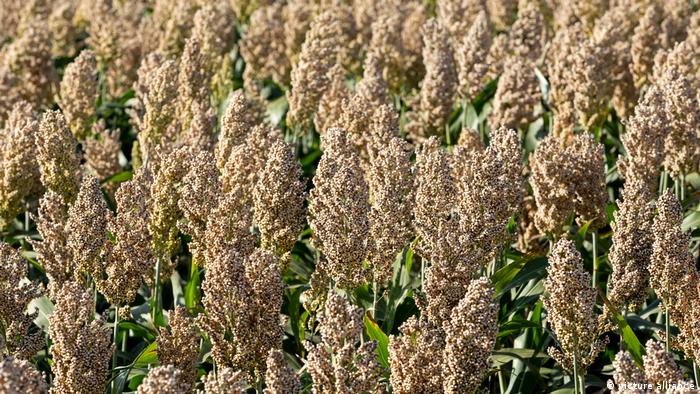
(349,196)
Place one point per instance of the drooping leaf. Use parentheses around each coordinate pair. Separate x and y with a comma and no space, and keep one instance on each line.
(376,333)
(632,344)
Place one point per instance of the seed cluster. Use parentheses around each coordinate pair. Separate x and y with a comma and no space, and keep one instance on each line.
(348,196)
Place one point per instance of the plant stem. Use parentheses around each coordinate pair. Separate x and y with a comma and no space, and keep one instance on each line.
(501,382)
(576,381)
(114,338)
(374,301)
(668,328)
(156,293)
(696,373)
(682,187)
(422,273)
(594,248)
(26,218)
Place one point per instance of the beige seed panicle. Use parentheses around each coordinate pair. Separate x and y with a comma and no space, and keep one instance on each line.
(247,303)
(78,93)
(52,250)
(390,182)
(470,336)
(199,193)
(681,153)
(130,259)
(160,107)
(338,209)
(458,15)
(26,69)
(591,93)
(517,94)
(297,17)
(82,346)
(101,152)
(87,229)
(568,178)
(645,44)
(560,57)
(435,193)
(490,191)
(673,275)
(498,52)
(263,45)
(339,363)
(660,370)
(193,81)
(199,136)
(676,18)
(20,339)
(502,12)
(279,377)
(570,304)
(222,292)
(399,64)
(57,156)
(659,366)
(236,123)
(171,23)
(309,75)
(644,140)
(416,357)
(20,171)
(332,103)
(614,31)
(373,87)
(116,36)
(246,162)
(439,87)
(278,199)
(20,376)
(163,208)
(214,26)
(631,248)
(163,379)
(470,56)
(179,346)
(625,372)
(224,381)
(527,35)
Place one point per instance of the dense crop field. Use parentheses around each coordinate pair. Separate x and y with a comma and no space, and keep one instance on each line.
(349,196)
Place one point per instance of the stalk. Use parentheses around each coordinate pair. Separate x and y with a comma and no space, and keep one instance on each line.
(682,187)
(374,301)
(156,293)
(26,218)
(577,389)
(595,258)
(696,373)
(668,327)
(501,382)
(115,335)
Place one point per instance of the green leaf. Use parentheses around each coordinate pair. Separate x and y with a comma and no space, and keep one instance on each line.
(376,333)
(45,308)
(632,344)
(149,356)
(518,273)
(409,259)
(192,290)
(506,355)
(514,327)
(118,177)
